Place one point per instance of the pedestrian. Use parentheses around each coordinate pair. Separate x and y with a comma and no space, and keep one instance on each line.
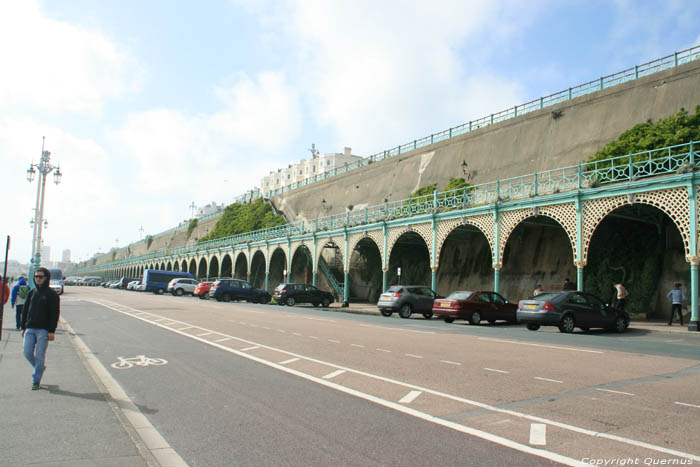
(39,320)
(677,297)
(538,290)
(621,295)
(568,285)
(18,297)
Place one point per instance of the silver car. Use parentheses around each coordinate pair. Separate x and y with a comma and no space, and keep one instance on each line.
(407,299)
(182,286)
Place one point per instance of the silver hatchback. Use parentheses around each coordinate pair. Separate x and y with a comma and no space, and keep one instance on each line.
(182,286)
(406,300)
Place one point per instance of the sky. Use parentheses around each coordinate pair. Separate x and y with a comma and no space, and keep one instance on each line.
(150,106)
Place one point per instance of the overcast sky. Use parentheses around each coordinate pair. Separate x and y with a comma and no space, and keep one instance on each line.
(149,106)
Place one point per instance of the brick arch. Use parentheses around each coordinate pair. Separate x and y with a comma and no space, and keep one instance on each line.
(320,242)
(564,214)
(673,202)
(425,230)
(375,235)
(483,222)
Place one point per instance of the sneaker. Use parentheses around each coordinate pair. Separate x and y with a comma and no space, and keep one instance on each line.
(35,386)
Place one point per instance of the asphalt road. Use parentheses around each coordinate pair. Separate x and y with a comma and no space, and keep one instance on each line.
(252,384)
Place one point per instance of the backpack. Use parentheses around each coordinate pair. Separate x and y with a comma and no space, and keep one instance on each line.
(23,292)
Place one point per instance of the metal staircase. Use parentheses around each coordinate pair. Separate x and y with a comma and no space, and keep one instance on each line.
(338,287)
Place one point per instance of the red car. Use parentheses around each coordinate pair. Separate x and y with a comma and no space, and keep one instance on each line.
(475,307)
(202,290)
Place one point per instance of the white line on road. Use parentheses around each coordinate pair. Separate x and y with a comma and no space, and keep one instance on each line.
(205,334)
(538,434)
(675,340)
(168,324)
(265,327)
(411,355)
(224,339)
(538,345)
(395,329)
(688,405)
(281,330)
(615,392)
(357,345)
(410,397)
(296,333)
(497,371)
(186,327)
(295,359)
(550,380)
(334,341)
(333,374)
(313,337)
(250,348)
(161,319)
(384,350)
(449,362)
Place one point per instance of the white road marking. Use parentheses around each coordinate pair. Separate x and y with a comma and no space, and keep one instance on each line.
(296,334)
(281,330)
(538,434)
(411,355)
(395,329)
(334,374)
(675,340)
(265,327)
(384,350)
(357,345)
(250,348)
(688,405)
(224,339)
(253,325)
(159,320)
(295,359)
(205,334)
(186,327)
(169,324)
(550,380)
(538,345)
(449,362)
(410,397)
(424,416)
(313,337)
(334,341)
(497,371)
(321,319)
(615,392)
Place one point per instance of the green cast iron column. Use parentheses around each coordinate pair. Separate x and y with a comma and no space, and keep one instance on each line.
(579,243)
(496,263)
(385,260)
(433,266)
(289,261)
(313,263)
(346,277)
(693,259)
(267,267)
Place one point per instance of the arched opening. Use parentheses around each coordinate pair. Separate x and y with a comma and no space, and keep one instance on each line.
(410,253)
(162,266)
(213,268)
(278,264)
(241,269)
(640,246)
(465,261)
(257,270)
(538,251)
(193,267)
(331,269)
(169,266)
(183,266)
(202,269)
(176,266)
(226,269)
(365,272)
(302,266)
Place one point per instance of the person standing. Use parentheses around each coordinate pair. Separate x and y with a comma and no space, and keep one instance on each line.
(568,285)
(677,297)
(17,298)
(621,295)
(39,320)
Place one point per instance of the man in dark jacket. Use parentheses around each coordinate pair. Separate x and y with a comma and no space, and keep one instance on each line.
(39,320)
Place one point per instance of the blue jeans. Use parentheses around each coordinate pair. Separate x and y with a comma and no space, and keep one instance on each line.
(35,343)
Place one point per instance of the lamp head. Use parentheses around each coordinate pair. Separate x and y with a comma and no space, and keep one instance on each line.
(31,173)
(57,176)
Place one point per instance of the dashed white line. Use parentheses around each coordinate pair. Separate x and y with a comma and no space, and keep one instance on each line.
(538,345)
(205,334)
(313,337)
(281,330)
(224,339)
(159,320)
(357,345)
(296,333)
(396,329)
(383,350)
(333,374)
(289,361)
(187,327)
(250,348)
(168,324)
(411,355)
(410,397)
(688,405)
(550,380)
(675,340)
(334,341)
(615,392)
(497,371)
(450,362)
(265,327)
(538,434)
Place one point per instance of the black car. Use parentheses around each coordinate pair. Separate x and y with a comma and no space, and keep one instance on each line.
(568,310)
(291,294)
(235,289)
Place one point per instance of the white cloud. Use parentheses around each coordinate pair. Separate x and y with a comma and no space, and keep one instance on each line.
(54,66)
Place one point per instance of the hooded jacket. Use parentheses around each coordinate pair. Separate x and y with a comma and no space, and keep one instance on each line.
(42,308)
(15,297)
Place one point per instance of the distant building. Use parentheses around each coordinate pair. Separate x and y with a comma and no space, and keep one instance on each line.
(45,254)
(210,208)
(306,169)
(65,258)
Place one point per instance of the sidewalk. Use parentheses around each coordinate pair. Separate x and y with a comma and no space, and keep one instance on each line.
(68,422)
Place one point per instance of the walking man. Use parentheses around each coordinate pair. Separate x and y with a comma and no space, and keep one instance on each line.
(677,297)
(39,321)
(18,296)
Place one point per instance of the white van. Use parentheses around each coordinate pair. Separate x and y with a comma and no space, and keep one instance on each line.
(56,280)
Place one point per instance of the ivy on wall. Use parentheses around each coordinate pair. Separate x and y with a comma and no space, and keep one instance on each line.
(192,225)
(240,218)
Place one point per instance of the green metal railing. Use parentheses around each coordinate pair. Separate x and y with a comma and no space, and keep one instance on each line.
(338,287)
(631,167)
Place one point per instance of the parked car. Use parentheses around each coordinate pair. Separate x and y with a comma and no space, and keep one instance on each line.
(569,310)
(182,285)
(141,287)
(291,294)
(115,284)
(131,285)
(475,306)
(406,300)
(202,289)
(236,289)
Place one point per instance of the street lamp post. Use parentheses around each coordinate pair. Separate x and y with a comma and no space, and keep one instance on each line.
(44,168)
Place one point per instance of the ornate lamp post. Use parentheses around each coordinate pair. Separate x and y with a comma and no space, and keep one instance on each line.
(43,168)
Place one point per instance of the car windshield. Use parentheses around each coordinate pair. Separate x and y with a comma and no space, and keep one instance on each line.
(463,295)
(546,296)
(394,288)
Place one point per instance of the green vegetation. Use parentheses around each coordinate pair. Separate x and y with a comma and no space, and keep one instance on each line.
(240,218)
(424,190)
(679,128)
(456,182)
(191,227)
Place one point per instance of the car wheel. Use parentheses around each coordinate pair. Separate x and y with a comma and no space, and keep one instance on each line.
(179,292)
(449,320)
(385,312)
(475,319)
(428,314)
(567,324)
(226,297)
(621,324)
(291,301)
(315,303)
(405,311)
(160,291)
(533,327)
(326,302)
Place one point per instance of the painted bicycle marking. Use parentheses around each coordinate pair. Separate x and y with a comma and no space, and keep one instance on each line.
(139,360)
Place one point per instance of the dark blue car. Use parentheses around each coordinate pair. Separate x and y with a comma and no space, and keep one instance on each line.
(225,290)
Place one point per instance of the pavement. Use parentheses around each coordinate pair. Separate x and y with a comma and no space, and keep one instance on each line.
(73,421)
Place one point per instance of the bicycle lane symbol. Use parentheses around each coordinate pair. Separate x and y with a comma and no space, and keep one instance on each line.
(139,360)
